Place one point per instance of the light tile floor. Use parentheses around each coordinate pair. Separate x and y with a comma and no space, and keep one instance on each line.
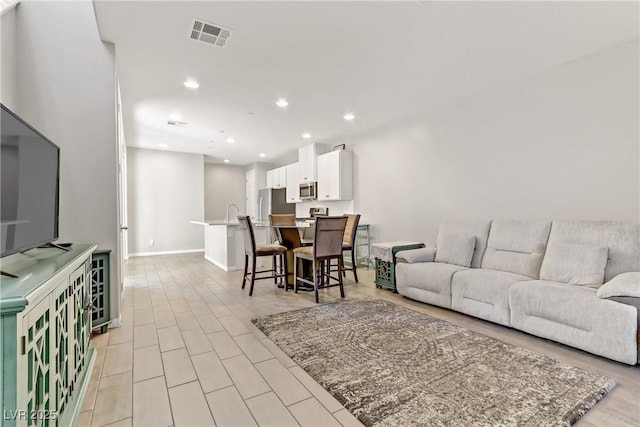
(188,355)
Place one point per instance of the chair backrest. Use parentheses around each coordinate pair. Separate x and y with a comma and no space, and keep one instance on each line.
(247,234)
(350,230)
(328,236)
(288,237)
(282,219)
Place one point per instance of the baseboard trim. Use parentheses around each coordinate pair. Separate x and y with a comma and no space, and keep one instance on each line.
(221,266)
(183,251)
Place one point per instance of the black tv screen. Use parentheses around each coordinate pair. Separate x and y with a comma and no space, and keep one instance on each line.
(29,186)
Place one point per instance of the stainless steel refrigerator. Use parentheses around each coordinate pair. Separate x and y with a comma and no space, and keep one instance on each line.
(273,201)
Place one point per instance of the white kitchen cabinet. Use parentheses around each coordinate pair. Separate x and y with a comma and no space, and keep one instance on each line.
(293,183)
(307,160)
(277,178)
(270,178)
(335,175)
(251,205)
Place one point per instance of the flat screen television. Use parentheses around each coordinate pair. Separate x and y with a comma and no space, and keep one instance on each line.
(29,195)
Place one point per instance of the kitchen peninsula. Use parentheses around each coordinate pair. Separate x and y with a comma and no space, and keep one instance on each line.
(224,245)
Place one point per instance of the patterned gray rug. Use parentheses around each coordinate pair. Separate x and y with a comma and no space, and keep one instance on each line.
(391,366)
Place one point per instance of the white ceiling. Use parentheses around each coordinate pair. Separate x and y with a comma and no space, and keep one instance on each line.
(383,61)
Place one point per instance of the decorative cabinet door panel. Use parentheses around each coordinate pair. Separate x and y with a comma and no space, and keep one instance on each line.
(80,320)
(62,338)
(37,393)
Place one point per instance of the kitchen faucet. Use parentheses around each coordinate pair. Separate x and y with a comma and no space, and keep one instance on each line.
(229,207)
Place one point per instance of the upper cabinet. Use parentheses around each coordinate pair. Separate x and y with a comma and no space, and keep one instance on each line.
(307,160)
(277,178)
(293,183)
(335,175)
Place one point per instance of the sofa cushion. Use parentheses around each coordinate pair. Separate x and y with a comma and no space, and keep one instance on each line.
(573,263)
(574,315)
(456,249)
(428,282)
(479,229)
(517,246)
(622,239)
(484,293)
(623,285)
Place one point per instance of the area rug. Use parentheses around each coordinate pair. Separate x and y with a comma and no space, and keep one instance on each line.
(392,366)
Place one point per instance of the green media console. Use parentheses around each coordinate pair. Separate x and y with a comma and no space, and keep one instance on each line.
(45,332)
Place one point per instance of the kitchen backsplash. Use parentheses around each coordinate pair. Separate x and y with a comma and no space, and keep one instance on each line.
(339,207)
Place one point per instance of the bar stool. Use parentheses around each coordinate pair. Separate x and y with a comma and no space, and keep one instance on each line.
(252,251)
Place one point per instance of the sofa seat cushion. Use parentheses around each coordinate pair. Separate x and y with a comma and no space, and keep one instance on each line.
(484,293)
(575,316)
(428,282)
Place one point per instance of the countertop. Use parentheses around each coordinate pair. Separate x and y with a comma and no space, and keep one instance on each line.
(229,223)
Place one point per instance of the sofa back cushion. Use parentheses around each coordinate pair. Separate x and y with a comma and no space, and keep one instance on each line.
(622,240)
(517,246)
(456,249)
(477,228)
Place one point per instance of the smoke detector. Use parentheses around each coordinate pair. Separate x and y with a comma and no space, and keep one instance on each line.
(209,33)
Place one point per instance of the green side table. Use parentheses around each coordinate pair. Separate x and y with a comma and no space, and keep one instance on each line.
(385,261)
(100,283)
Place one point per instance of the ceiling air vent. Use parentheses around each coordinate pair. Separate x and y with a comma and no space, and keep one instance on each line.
(209,33)
(177,123)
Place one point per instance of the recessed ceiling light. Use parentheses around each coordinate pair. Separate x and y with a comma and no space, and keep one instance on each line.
(306,135)
(262,155)
(163,145)
(227,160)
(175,116)
(282,103)
(349,116)
(192,84)
(231,140)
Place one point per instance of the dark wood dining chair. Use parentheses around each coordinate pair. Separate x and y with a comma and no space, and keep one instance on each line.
(252,252)
(327,245)
(287,237)
(349,244)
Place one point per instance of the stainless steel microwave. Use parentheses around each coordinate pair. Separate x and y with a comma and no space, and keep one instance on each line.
(308,191)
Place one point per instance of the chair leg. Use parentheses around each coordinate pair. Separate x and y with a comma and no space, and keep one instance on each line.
(283,270)
(246,264)
(315,280)
(295,273)
(253,275)
(275,269)
(354,264)
(341,270)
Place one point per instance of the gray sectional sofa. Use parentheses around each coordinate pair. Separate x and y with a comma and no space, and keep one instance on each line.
(574,282)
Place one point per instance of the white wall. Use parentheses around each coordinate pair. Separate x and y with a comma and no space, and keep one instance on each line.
(64,86)
(8,60)
(561,145)
(165,192)
(223,184)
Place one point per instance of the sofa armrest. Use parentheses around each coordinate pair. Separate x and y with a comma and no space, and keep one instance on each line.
(413,256)
(622,285)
